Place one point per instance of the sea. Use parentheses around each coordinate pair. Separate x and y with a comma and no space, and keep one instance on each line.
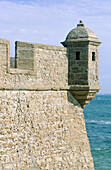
(98,124)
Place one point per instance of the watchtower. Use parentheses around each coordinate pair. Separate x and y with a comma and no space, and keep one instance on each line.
(82,51)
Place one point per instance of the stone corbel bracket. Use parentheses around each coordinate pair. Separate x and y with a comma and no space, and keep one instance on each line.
(83,94)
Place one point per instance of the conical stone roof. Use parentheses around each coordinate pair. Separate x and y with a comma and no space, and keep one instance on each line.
(80,33)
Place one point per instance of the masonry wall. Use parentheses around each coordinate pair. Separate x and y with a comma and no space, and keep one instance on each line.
(24,55)
(42,130)
(51,64)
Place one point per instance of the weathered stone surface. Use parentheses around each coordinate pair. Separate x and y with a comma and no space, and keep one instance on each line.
(24,55)
(45,130)
(12,62)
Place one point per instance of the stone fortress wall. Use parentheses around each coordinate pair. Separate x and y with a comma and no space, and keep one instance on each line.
(41,122)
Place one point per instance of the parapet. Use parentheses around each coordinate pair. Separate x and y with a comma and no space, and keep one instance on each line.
(34,66)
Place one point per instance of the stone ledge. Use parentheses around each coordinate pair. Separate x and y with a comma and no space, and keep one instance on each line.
(75,88)
(16,71)
(83,93)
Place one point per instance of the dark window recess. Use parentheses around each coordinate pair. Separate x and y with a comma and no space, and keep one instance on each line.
(93,56)
(77,55)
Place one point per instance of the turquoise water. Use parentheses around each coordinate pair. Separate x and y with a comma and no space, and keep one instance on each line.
(98,124)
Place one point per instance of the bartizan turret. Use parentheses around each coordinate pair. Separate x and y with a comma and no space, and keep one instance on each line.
(82,51)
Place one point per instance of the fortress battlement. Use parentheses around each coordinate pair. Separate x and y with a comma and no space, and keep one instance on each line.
(43,91)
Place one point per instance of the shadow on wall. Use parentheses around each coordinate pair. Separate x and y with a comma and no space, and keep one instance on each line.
(72,100)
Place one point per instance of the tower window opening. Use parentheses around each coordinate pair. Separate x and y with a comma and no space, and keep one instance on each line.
(93,56)
(77,55)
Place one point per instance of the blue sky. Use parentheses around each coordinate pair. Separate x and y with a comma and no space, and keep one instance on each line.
(49,21)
